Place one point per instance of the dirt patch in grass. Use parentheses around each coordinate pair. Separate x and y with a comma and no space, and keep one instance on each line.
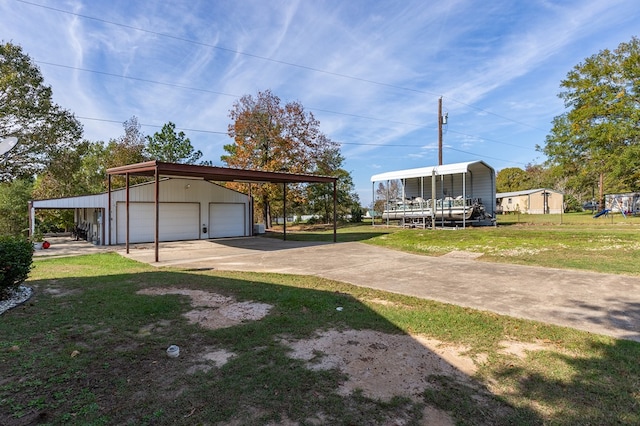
(379,365)
(59,292)
(521,349)
(460,254)
(213,310)
(383,365)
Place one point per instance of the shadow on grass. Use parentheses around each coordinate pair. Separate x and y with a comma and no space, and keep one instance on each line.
(602,389)
(92,351)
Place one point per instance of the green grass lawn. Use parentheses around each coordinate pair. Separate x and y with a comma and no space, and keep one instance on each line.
(574,241)
(88,349)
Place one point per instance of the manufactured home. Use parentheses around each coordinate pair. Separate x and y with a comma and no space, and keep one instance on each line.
(531,201)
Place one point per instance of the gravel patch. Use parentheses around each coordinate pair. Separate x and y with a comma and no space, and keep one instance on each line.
(23,294)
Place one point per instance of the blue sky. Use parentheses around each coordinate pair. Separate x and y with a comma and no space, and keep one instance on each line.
(370,71)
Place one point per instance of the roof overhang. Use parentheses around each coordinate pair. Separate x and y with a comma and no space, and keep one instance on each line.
(212,173)
(443,170)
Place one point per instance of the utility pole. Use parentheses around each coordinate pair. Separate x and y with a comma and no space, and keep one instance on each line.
(601,204)
(440,131)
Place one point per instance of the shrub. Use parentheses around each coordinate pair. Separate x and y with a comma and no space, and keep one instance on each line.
(356,214)
(16,257)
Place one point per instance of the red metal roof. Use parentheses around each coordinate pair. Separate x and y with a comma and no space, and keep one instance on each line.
(223,174)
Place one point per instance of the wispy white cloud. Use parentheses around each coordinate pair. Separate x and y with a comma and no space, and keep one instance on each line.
(370,71)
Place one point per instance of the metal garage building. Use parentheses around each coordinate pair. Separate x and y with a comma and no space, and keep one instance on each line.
(189,209)
(183,202)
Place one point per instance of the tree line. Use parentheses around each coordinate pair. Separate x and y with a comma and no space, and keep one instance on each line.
(52,160)
(593,148)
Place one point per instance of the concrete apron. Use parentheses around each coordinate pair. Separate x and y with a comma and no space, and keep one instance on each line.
(598,303)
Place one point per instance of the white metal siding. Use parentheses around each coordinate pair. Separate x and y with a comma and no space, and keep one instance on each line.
(226,220)
(483,180)
(195,192)
(477,180)
(81,202)
(451,184)
(177,221)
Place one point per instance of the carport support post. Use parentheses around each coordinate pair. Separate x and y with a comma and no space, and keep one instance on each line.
(373,204)
(157,196)
(108,219)
(387,202)
(284,211)
(335,209)
(32,219)
(464,200)
(433,198)
(127,208)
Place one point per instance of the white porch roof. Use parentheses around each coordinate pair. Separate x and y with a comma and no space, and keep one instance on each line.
(445,169)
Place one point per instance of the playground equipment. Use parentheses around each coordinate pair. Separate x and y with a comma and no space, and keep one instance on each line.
(604,212)
(626,206)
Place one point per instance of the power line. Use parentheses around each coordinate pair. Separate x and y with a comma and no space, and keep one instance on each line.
(144,80)
(159,34)
(448,148)
(368,118)
(251,55)
(484,156)
(225,49)
(381,145)
(184,129)
(341,143)
(491,140)
(179,86)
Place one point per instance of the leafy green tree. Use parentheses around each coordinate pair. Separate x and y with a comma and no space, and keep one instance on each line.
(28,112)
(65,176)
(597,139)
(387,193)
(127,149)
(273,137)
(512,179)
(320,196)
(540,176)
(14,208)
(171,147)
(92,175)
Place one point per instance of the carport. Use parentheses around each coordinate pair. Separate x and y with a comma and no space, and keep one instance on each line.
(158,169)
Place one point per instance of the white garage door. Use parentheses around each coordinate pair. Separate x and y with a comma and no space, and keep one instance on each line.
(226,220)
(178,221)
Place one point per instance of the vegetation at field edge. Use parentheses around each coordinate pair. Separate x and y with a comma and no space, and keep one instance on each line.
(88,349)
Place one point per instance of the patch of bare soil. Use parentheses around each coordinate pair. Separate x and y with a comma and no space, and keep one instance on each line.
(383,365)
(215,311)
(386,365)
(59,292)
(380,365)
(458,254)
(520,349)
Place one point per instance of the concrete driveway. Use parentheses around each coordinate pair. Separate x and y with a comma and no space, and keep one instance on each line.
(599,303)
